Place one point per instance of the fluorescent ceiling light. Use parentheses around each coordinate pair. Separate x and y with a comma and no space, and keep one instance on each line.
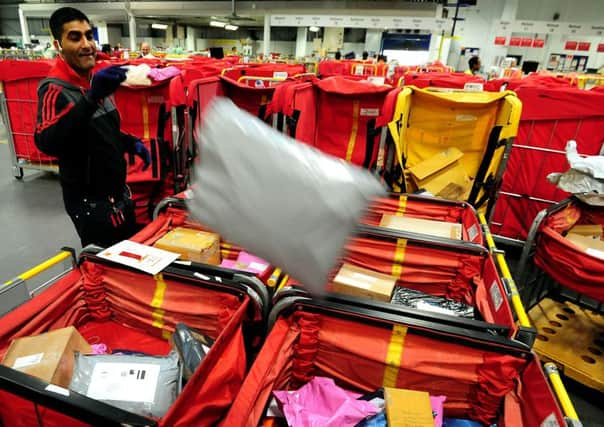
(217,24)
(231,27)
(159,26)
(314,29)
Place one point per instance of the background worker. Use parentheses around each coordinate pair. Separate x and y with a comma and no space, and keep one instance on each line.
(474,66)
(78,123)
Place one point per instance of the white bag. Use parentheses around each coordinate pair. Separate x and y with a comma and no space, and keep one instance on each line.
(282,200)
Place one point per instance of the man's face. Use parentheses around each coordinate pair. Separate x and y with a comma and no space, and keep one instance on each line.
(145,49)
(77,46)
(477,66)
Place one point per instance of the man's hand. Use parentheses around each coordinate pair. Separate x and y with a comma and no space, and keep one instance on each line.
(142,152)
(105,82)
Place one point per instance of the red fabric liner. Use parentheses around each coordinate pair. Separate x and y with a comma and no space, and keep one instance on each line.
(436,79)
(466,278)
(550,117)
(565,262)
(425,209)
(12,69)
(113,306)
(475,381)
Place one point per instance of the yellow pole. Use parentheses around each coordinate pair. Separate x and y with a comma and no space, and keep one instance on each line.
(523,318)
(41,267)
(561,393)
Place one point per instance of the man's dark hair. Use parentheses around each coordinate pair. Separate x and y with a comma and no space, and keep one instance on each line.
(338,54)
(473,61)
(365,55)
(62,16)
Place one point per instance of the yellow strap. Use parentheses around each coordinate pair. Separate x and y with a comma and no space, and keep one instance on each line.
(394,355)
(272,280)
(145,117)
(353,132)
(399,257)
(158,299)
(402,205)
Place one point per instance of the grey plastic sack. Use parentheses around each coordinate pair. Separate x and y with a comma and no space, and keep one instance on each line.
(280,199)
(144,385)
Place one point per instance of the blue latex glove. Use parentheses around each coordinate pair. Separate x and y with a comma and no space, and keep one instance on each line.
(141,151)
(105,82)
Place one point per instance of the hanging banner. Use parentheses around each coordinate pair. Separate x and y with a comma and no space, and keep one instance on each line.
(538,42)
(584,46)
(570,45)
(500,40)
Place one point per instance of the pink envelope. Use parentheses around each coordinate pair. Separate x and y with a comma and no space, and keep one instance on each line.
(321,403)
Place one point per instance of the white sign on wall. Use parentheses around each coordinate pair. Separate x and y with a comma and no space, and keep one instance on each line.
(545,27)
(355,21)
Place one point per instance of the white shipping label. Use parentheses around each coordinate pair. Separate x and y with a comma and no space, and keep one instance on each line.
(595,252)
(358,71)
(496,296)
(128,382)
(465,118)
(376,80)
(280,74)
(550,421)
(371,112)
(25,361)
(257,266)
(57,389)
(473,232)
(354,282)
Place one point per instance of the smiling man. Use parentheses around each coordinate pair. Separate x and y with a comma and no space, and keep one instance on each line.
(79,124)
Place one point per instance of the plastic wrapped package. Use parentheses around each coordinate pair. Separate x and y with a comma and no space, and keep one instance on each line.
(421,301)
(144,385)
(192,348)
(284,201)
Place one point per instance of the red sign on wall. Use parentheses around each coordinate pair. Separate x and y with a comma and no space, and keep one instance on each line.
(526,42)
(515,41)
(500,40)
(584,45)
(538,42)
(601,47)
(570,46)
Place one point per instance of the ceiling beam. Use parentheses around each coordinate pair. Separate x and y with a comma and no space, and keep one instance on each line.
(109,10)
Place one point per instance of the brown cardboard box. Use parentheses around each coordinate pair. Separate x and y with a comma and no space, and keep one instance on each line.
(408,408)
(593,231)
(48,356)
(591,246)
(192,245)
(449,230)
(357,281)
(442,175)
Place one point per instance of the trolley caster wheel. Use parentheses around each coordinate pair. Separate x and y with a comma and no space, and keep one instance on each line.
(18,173)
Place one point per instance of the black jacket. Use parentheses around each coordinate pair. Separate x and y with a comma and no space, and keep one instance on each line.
(85,136)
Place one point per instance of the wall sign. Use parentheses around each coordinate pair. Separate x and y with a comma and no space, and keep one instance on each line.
(500,40)
(545,27)
(515,41)
(584,46)
(356,21)
(570,45)
(601,47)
(526,42)
(538,42)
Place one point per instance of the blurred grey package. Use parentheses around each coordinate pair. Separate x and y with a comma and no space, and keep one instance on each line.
(280,199)
(422,301)
(192,348)
(144,385)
